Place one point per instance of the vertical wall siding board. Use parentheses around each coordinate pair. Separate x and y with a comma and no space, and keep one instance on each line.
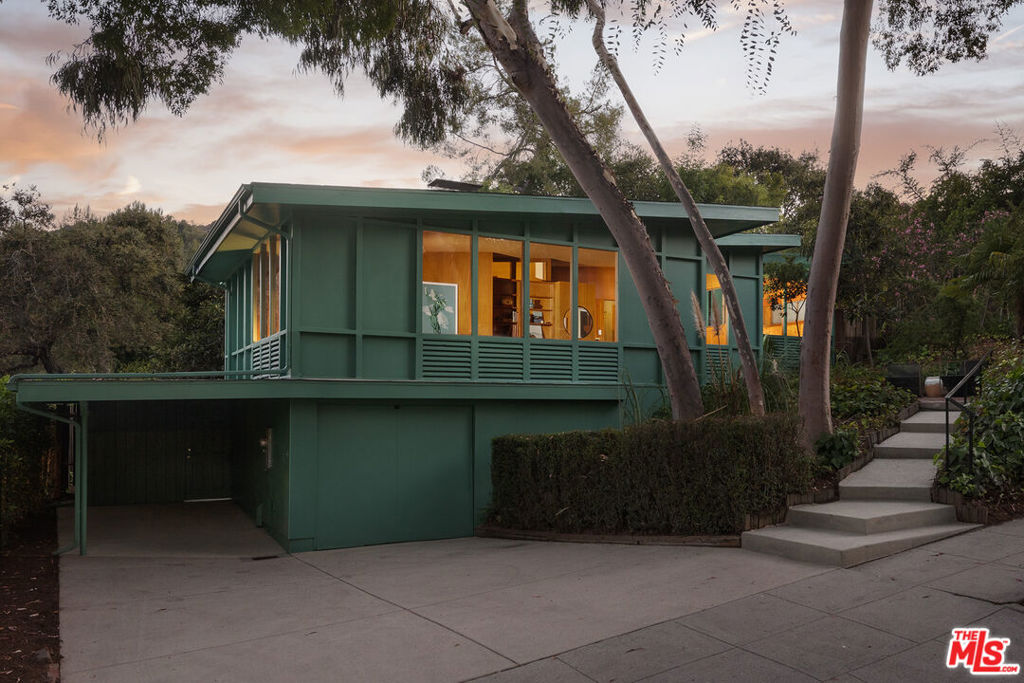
(138,451)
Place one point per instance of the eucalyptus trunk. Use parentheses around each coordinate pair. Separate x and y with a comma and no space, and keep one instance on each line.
(748,362)
(517,49)
(814,400)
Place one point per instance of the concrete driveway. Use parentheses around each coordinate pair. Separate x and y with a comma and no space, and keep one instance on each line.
(528,611)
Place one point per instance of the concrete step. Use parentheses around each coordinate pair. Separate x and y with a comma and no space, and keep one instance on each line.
(929,403)
(870,517)
(896,479)
(932,421)
(911,445)
(841,548)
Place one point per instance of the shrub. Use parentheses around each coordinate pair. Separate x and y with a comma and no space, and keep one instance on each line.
(863,400)
(659,477)
(24,442)
(837,450)
(998,431)
(726,393)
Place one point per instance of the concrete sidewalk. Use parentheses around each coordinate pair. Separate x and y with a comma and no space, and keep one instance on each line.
(530,611)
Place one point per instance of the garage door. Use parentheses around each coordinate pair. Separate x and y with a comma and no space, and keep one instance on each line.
(388,474)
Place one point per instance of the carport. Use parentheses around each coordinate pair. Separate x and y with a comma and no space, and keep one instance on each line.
(199,529)
(146,447)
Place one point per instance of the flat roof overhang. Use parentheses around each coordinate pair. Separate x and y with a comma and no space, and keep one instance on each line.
(259,209)
(72,389)
(764,242)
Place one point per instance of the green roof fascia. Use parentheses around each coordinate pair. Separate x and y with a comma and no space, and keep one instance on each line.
(217,232)
(71,390)
(265,201)
(765,242)
(485,202)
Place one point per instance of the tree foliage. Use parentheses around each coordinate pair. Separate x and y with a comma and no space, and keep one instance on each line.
(927,33)
(173,51)
(100,294)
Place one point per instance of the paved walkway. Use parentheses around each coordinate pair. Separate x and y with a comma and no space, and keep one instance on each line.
(528,611)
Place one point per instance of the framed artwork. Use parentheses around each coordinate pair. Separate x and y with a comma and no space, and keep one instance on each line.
(440,307)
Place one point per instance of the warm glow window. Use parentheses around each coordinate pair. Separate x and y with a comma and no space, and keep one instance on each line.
(551,291)
(717,331)
(266,288)
(500,287)
(447,283)
(596,314)
(515,298)
(783,316)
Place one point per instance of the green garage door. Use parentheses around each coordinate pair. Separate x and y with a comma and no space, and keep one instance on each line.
(388,474)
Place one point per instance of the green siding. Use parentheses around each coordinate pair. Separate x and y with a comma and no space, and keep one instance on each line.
(159,451)
(261,492)
(553,230)
(744,262)
(328,284)
(387,289)
(684,276)
(641,366)
(393,473)
(633,326)
(327,355)
(748,290)
(389,357)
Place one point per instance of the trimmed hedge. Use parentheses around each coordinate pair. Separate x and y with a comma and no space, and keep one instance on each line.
(660,477)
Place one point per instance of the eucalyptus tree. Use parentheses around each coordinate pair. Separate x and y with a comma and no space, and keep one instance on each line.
(748,363)
(173,51)
(924,34)
(815,358)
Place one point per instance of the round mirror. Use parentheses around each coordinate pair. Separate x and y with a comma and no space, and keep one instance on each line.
(584,321)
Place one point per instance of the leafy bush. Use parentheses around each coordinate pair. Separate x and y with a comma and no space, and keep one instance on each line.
(659,477)
(998,431)
(24,442)
(863,400)
(837,450)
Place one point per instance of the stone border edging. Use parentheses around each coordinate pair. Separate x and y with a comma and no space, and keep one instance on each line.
(724,541)
(970,511)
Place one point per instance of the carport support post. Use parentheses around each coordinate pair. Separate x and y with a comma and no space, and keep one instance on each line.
(82,476)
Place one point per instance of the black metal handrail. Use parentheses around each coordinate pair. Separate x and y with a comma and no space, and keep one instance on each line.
(975,371)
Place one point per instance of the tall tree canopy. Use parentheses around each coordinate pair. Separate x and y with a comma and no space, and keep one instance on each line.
(98,294)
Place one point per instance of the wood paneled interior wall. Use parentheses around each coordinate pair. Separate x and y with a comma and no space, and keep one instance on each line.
(598,295)
(453,267)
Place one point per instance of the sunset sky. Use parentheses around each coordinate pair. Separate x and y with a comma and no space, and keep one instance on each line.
(268,122)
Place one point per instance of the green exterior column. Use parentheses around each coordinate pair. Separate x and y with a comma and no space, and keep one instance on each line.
(82,477)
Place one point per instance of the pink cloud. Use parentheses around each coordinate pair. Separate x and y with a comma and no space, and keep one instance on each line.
(37,129)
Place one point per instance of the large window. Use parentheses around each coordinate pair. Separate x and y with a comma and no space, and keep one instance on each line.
(499,287)
(551,291)
(266,288)
(782,316)
(505,307)
(447,283)
(596,315)
(717,332)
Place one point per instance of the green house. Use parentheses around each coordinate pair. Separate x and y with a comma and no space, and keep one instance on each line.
(377,340)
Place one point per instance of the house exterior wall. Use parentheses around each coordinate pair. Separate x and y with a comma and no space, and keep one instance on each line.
(381,430)
(264,492)
(365,472)
(352,283)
